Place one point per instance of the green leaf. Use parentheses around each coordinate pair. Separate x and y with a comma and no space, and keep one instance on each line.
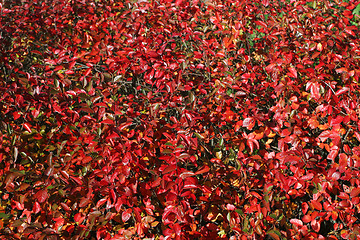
(221,142)
(246,225)
(199,136)
(4,216)
(13,140)
(9,129)
(228,217)
(240,212)
(167,151)
(222,233)
(269,188)
(273,216)
(21,172)
(356,11)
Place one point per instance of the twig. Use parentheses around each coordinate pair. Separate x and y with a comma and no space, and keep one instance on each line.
(329,87)
(347,133)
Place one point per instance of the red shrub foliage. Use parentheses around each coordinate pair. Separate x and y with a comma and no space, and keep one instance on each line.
(180,119)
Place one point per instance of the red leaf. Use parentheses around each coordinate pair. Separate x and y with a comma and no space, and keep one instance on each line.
(16,115)
(112,135)
(230,207)
(19,100)
(265,3)
(314,89)
(341,70)
(245,76)
(307,177)
(156,182)
(325,135)
(345,204)
(170,168)
(183,155)
(124,125)
(255,194)
(249,123)
(56,108)
(87,72)
(190,183)
(342,91)
(113,195)
(261,23)
(126,215)
(306,218)
(36,208)
(251,143)
(169,209)
(65,207)
(76,180)
(118,205)
(159,74)
(152,54)
(336,120)
(270,67)
(317,205)
(304,207)
(27,126)
(292,72)
(108,121)
(83,202)
(355,192)
(64,174)
(101,202)
(293,159)
(79,218)
(348,31)
(202,170)
(41,195)
(315,225)
(18,205)
(336,176)
(186,174)
(333,153)
(238,230)
(71,92)
(220,54)
(297,222)
(357,135)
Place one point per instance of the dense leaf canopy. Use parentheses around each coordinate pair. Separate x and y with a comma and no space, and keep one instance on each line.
(166,119)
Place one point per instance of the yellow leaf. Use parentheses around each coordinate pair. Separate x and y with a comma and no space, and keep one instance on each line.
(271,134)
(323,127)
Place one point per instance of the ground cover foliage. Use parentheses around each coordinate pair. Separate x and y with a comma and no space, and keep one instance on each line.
(180,119)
